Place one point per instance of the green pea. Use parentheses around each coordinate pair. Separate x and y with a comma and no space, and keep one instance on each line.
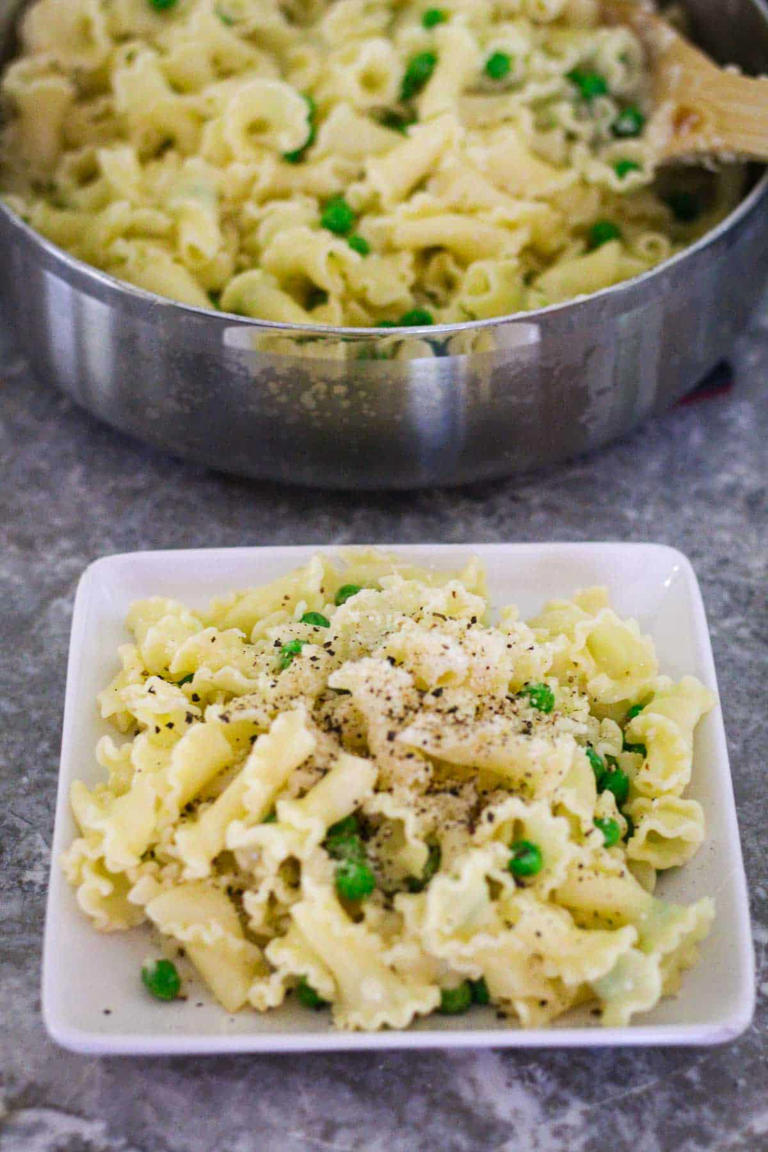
(629,122)
(316,297)
(161,978)
(479,990)
(526,859)
(541,696)
(454,1001)
(623,167)
(419,883)
(432,17)
(354,879)
(610,830)
(417,74)
(589,84)
(298,154)
(185,679)
(359,244)
(338,217)
(162,5)
(397,121)
(307,996)
(316,619)
(288,652)
(597,762)
(344,842)
(346,592)
(348,826)
(346,848)
(497,66)
(416,318)
(635,710)
(685,206)
(601,232)
(640,749)
(270,818)
(617,782)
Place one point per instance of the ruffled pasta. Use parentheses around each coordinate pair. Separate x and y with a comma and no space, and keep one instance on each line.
(353,787)
(492,159)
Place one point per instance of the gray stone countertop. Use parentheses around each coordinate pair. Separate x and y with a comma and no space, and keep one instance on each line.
(73,490)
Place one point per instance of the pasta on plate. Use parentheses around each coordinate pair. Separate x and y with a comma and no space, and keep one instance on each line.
(355,786)
(346,162)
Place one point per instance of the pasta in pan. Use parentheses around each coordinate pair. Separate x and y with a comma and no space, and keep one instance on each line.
(351,786)
(357,162)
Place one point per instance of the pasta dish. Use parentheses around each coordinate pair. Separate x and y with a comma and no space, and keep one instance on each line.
(346,162)
(358,788)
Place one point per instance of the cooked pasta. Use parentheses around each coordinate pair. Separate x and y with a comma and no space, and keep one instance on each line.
(357,162)
(354,787)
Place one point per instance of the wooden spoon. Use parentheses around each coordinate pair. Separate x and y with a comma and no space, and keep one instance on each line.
(701,110)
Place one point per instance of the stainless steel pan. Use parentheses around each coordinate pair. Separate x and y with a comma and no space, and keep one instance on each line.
(330,407)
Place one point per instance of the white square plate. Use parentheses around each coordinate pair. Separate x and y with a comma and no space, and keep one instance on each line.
(93,1000)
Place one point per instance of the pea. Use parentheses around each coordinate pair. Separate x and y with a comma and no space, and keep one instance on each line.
(359,244)
(162,5)
(685,206)
(419,883)
(617,782)
(288,652)
(354,879)
(270,818)
(316,619)
(623,167)
(454,1001)
(307,996)
(338,217)
(597,762)
(397,121)
(640,749)
(541,696)
(346,592)
(433,17)
(417,73)
(343,840)
(416,318)
(347,827)
(298,154)
(497,66)
(185,679)
(629,122)
(479,990)
(526,859)
(161,978)
(345,848)
(635,710)
(589,84)
(610,830)
(601,232)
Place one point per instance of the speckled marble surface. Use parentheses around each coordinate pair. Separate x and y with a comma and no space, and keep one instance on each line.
(72,491)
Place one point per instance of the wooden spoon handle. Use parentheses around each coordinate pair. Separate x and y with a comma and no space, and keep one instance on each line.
(701,110)
(718,113)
